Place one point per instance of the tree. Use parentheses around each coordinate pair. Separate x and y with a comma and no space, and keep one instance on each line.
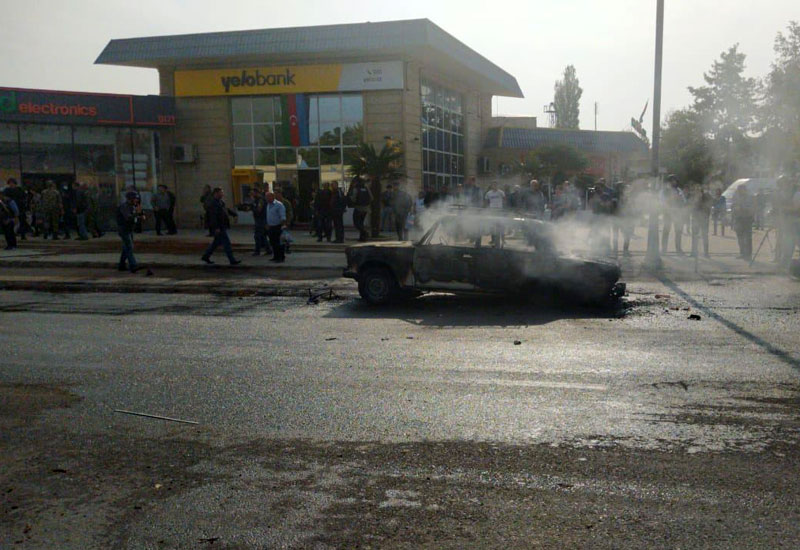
(375,166)
(781,107)
(727,109)
(685,148)
(567,100)
(557,162)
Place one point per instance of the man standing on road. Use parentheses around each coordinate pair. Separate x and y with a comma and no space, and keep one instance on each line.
(276,219)
(494,197)
(700,203)
(387,210)
(162,202)
(53,208)
(361,198)
(322,212)
(127,214)
(338,208)
(218,224)
(20,197)
(719,211)
(533,200)
(171,228)
(743,214)
(401,207)
(82,210)
(259,223)
(674,202)
(8,218)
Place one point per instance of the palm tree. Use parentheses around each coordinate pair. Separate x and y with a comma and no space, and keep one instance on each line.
(366,162)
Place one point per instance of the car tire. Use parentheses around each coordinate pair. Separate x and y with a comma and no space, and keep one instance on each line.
(377,286)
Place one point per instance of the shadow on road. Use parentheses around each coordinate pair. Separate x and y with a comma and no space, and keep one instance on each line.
(783,355)
(447,310)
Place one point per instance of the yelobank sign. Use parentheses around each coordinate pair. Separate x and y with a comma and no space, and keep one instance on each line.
(351,77)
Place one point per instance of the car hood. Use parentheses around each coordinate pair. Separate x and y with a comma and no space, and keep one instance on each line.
(382,244)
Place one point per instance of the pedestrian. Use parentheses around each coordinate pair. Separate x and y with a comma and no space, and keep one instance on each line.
(387,210)
(287,204)
(761,208)
(604,203)
(9,214)
(205,201)
(53,208)
(276,221)
(70,209)
(533,200)
(494,198)
(701,203)
(338,208)
(673,204)
(259,222)
(401,207)
(173,200)
(93,214)
(162,202)
(788,220)
(743,215)
(718,212)
(37,215)
(218,223)
(360,197)
(81,210)
(322,213)
(624,217)
(20,198)
(127,214)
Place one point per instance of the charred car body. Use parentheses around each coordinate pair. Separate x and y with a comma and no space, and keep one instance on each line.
(479,253)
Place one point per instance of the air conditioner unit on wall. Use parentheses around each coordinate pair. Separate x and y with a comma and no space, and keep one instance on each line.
(184,152)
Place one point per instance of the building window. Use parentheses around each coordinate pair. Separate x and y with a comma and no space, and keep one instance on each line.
(442,137)
(302,131)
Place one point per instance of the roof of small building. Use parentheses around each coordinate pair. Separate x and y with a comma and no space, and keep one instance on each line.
(325,42)
(588,141)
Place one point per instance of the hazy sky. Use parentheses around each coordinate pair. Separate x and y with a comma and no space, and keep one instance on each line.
(52,44)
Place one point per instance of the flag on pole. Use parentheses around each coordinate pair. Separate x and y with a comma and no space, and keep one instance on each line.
(294,120)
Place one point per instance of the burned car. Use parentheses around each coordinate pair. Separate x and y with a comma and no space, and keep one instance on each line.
(466,253)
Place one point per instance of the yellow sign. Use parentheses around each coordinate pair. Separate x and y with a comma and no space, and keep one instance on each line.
(290,79)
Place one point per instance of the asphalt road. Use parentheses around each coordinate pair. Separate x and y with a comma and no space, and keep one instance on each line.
(444,422)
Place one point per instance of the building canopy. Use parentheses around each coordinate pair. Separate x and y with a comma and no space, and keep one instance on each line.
(417,38)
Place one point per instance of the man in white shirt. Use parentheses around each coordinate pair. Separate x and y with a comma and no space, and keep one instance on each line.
(494,197)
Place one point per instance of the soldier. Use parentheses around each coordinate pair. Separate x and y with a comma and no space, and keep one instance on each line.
(92,215)
(52,208)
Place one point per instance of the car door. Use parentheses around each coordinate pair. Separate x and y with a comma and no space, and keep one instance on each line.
(444,267)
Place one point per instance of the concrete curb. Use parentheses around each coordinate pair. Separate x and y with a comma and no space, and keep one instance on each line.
(219,289)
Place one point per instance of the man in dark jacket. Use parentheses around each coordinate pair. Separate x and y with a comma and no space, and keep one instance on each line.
(81,210)
(338,208)
(322,211)
(127,214)
(401,206)
(20,197)
(260,223)
(69,199)
(218,224)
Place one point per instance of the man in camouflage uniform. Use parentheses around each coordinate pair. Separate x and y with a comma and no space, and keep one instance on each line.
(52,209)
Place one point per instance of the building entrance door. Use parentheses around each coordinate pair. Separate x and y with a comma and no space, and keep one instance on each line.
(297,185)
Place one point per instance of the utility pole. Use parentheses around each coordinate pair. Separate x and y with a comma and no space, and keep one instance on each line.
(595,116)
(653,257)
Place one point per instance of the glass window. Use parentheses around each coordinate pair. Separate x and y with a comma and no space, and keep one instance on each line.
(46,148)
(240,107)
(243,157)
(286,156)
(265,157)
(263,135)
(329,133)
(330,156)
(442,135)
(353,134)
(242,135)
(308,157)
(352,108)
(262,110)
(329,109)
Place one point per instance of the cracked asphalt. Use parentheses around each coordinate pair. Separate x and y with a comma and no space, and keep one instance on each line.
(422,425)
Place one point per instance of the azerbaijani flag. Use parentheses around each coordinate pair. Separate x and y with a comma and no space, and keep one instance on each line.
(294,120)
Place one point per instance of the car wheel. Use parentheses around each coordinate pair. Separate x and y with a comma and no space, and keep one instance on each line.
(377,286)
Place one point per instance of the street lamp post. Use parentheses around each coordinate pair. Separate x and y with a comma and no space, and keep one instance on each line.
(653,258)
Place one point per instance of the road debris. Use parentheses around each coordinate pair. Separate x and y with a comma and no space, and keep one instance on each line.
(209,540)
(694,317)
(158,417)
(517,342)
(332,338)
(149,273)
(315,296)
(662,296)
